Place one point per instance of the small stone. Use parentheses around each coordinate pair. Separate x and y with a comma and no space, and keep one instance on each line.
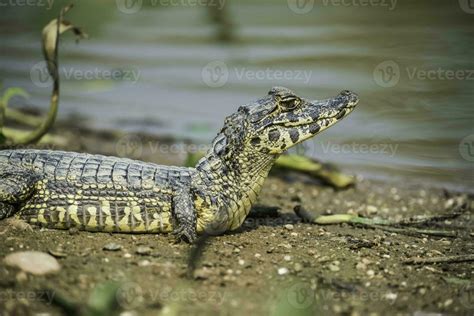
(298,267)
(422,291)
(236,250)
(370,273)
(57,253)
(283,271)
(448,302)
(391,296)
(371,209)
(241,262)
(287,258)
(202,274)
(334,267)
(289,227)
(144,263)
(337,309)
(257,255)
(143,250)
(127,255)
(112,247)
(21,277)
(34,262)
(361,266)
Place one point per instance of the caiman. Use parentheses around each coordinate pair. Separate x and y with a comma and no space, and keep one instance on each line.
(62,190)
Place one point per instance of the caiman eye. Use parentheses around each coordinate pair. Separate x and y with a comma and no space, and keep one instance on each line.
(289,104)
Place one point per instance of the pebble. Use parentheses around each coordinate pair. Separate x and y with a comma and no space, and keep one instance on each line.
(58,253)
(448,302)
(112,247)
(289,227)
(334,266)
(202,274)
(257,255)
(370,273)
(283,271)
(34,262)
(361,266)
(127,255)
(21,277)
(144,263)
(241,262)
(298,267)
(287,258)
(371,209)
(391,296)
(143,250)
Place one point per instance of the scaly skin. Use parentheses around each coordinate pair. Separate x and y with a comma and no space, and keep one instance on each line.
(98,193)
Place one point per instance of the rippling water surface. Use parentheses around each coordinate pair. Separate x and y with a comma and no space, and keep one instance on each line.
(412,66)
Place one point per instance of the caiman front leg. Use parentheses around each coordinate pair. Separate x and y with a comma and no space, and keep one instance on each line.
(184,215)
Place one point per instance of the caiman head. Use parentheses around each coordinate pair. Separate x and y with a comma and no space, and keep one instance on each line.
(249,143)
(282,119)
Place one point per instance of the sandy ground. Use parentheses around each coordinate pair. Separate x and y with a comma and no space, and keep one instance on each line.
(275,264)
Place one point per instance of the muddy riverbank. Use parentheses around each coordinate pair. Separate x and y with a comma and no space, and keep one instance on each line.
(274,264)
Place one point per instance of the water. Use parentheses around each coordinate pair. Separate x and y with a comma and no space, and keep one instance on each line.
(410,123)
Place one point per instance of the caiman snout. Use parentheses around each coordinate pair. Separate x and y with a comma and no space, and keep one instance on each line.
(346,99)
